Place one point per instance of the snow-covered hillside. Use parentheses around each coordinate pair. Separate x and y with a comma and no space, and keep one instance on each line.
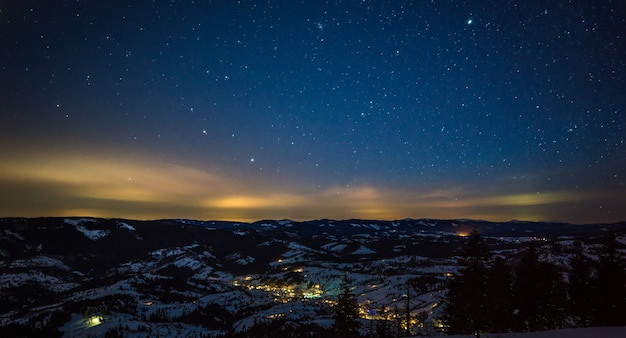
(86,276)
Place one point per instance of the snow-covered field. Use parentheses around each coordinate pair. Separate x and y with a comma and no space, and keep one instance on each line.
(169,287)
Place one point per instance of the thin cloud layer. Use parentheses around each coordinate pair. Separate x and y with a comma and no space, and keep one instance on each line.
(144,189)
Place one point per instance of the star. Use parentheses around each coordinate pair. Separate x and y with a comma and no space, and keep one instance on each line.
(390,99)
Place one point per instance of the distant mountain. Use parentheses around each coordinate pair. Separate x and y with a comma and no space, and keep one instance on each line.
(91,276)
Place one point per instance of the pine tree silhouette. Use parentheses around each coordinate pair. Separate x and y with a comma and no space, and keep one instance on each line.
(580,286)
(464,306)
(499,307)
(539,293)
(346,312)
(611,295)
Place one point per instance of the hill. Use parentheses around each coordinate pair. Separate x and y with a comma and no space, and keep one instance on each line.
(83,276)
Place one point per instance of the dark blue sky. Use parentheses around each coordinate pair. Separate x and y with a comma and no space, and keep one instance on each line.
(309,109)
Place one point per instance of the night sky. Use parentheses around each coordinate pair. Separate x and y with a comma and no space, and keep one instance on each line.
(247,110)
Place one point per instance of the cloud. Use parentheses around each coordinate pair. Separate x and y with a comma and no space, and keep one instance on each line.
(105,186)
(146,189)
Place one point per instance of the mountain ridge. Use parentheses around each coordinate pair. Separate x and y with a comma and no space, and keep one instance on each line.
(57,272)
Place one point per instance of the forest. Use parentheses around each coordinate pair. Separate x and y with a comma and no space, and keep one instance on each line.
(491,294)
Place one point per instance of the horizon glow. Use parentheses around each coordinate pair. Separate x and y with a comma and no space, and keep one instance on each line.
(246,111)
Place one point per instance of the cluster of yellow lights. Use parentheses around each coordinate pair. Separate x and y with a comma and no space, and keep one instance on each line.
(282,293)
(390,315)
(288,293)
(331,302)
(276,315)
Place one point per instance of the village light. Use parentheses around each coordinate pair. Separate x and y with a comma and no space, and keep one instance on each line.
(94,321)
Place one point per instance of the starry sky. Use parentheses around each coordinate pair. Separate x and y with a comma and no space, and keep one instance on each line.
(247,110)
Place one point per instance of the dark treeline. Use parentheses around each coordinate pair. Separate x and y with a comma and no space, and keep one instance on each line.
(491,294)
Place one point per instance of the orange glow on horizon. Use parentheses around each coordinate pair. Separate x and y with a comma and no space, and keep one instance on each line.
(142,189)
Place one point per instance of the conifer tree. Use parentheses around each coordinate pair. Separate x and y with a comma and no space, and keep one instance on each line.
(499,307)
(554,291)
(538,293)
(346,312)
(464,306)
(611,295)
(580,286)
